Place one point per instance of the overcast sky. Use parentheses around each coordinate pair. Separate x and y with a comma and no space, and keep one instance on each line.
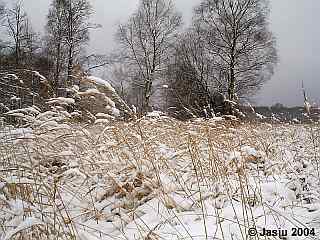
(295,24)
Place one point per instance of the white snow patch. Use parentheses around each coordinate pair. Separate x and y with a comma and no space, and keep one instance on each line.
(115,112)
(250,151)
(102,121)
(27,223)
(90,92)
(155,114)
(39,75)
(102,82)
(61,101)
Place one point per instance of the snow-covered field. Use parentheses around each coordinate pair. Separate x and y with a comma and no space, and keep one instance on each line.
(158,178)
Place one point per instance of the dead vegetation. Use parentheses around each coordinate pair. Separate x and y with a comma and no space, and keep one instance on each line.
(157,178)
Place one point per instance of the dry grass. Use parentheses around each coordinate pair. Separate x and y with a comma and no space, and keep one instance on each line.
(100,182)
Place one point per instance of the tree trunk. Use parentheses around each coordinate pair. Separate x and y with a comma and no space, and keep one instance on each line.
(71,43)
(147,95)
(231,87)
(17,50)
(70,65)
(232,78)
(57,70)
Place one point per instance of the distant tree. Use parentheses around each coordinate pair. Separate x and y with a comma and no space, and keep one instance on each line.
(17,28)
(22,42)
(278,106)
(192,79)
(78,13)
(243,48)
(54,38)
(31,46)
(306,103)
(2,12)
(147,39)
(95,61)
(2,43)
(67,30)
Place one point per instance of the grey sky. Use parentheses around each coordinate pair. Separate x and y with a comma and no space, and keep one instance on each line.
(294,23)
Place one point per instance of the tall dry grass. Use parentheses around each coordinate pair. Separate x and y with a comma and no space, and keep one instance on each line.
(96,182)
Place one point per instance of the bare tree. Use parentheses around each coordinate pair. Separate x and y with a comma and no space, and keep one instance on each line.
(96,61)
(191,75)
(238,38)
(68,30)
(16,25)
(195,84)
(306,104)
(78,26)
(2,43)
(2,12)
(54,37)
(22,41)
(31,45)
(146,40)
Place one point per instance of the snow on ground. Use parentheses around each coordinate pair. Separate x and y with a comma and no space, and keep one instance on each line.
(10,133)
(38,75)
(158,178)
(61,101)
(101,82)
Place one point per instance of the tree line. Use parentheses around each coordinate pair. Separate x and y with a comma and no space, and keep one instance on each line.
(225,55)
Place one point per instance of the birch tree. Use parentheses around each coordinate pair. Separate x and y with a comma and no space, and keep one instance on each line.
(2,42)
(77,35)
(16,25)
(55,29)
(147,39)
(237,35)
(2,12)
(22,42)
(68,29)
(191,77)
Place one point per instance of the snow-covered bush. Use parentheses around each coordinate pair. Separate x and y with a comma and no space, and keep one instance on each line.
(95,100)
(20,89)
(101,97)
